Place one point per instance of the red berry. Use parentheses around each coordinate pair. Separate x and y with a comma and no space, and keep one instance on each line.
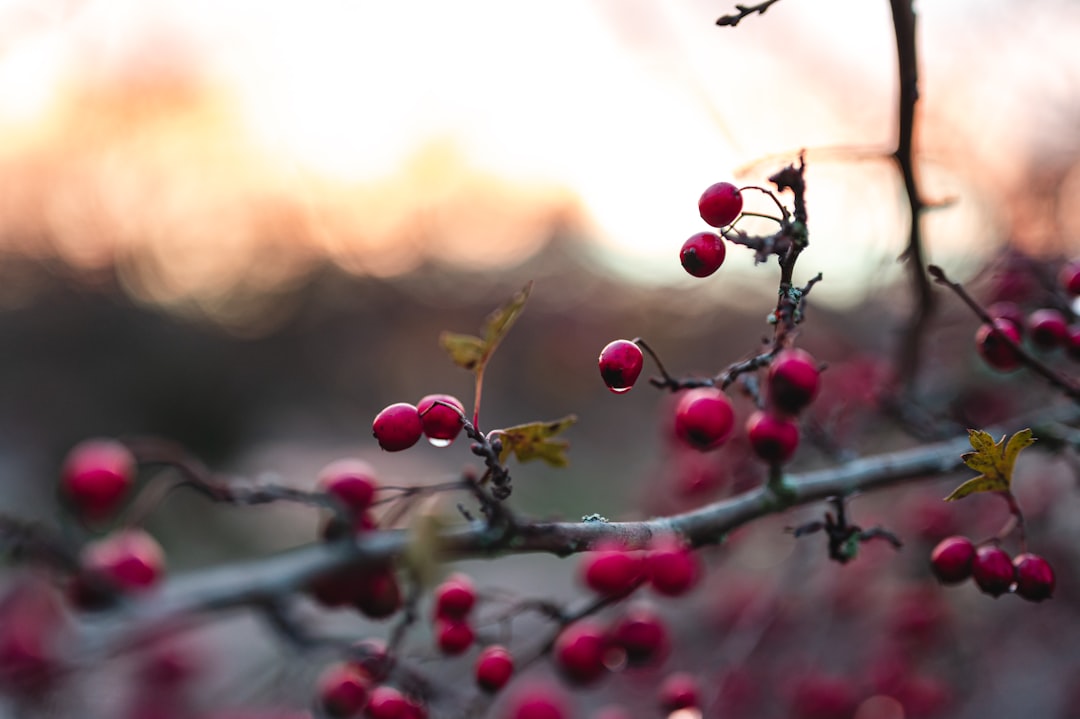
(993,570)
(620,365)
(96,477)
(398,427)
(376,592)
(494,667)
(703,418)
(579,652)
(720,204)
(128,561)
(611,571)
(342,691)
(350,481)
(793,380)
(455,597)
(702,254)
(1047,328)
(679,691)
(641,633)
(995,348)
(774,438)
(673,569)
(818,696)
(453,636)
(441,423)
(387,703)
(537,701)
(369,657)
(951,561)
(1034,577)
(1010,311)
(1070,278)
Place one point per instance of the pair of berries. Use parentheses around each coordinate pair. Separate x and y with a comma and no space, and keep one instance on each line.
(438,416)
(955,559)
(791,385)
(346,690)
(1047,329)
(454,601)
(668,566)
(704,252)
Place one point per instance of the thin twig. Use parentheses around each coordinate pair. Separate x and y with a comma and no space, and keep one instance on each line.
(735,18)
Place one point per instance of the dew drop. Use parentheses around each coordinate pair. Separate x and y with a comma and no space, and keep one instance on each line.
(439,442)
(620,390)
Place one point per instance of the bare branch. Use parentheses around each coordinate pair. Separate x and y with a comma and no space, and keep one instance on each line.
(735,18)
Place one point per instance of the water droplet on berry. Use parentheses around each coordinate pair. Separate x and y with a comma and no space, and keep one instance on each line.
(620,390)
(439,442)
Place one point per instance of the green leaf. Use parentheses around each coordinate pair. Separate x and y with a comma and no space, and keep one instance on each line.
(994,461)
(499,322)
(471,352)
(536,441)
(465,351)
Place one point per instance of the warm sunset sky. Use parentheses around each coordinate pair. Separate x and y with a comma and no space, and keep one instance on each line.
(190,133)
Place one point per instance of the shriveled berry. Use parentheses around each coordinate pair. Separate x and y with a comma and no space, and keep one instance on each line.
(773,437)
(351,482)
(793,380)
(455,597)
(494,667)
(397,427)
(441,416)
(1034,577)
(386,703)
(993,570)
(343,691)
(679,691)
(1047,328)
(611,570)
(702,254)
(579,652)
(703,418)
(672,568)
(453,636)
(992,342)
(720,204)
(641,634)
(951,560)
(1069,278)
(96,477)
(620,365)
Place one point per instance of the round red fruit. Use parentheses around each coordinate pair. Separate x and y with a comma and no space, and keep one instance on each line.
(702,254)
(611,571)
(1005,310)
(1034,577)
(397,427)
(793,380)
(537,701)
(387,703)
(128,561)
(579,652)
(679,691)
(720,204)
(342,691)
(1070,278)
(351,482)
(494,667)
(673,568)
(993,570)
(993,343)
(1047,328)
(441,416)
(952,559)
(642,634)
(703,418)
(453,636)
(96,477)
(455,597)
(376,592)
(620,365)
(773,437)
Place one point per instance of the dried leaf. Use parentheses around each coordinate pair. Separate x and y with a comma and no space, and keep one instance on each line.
(535,441)
(422,554)
(993,460)
(499,322)
(465,351)
(471,352)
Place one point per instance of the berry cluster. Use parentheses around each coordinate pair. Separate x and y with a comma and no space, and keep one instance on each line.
(791,385)
(703,253)
(351,689)
(956,559)
(668,566)
(439,417)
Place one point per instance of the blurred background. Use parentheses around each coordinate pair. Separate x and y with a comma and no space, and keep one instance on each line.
(242,225)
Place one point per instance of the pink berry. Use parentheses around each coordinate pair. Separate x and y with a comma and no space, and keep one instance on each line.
(993,570)
(611,571)
(1070,278)
(351,482)
(127,562)
(793,380)
(386,703)
(342,691)
(995,349)
(537,701)
(494,667)
(673,569)
(679,691)
(951,561)
(96,477)
(702,254)
(720,204)
(1005,310)
(579,652)
(455,597)
(453,636)
(398,427)
(441,423)
(1047,328)
(620,365)
(703,418)
(774,438)
(1034,577)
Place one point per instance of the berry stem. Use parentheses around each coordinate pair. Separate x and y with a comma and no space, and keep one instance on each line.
(783,210)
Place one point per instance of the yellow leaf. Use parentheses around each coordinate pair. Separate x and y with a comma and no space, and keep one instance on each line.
(534,441)
(980,441)
(465,351)
(982,483)
(994,461)
(1017,443)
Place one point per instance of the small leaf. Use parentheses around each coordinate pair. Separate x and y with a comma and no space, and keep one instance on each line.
(981,463)
(980,441)
(982,483)
(994,461)
(499,322)
(535,441)
(1017,443)
(465,351)
(422,553)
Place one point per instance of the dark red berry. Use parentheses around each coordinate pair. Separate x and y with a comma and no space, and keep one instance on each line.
(376,592)
(1047,328)
(620,365)
(579,652)
(720,204)
(96,477)
(386,703)
(611,571)
(995,349)
(494,667)
(350,481)
(702,254)
(1070,278)
(453,636)
(703,418)
(398,427)
(818,696)
(773,437)
(1072,343)
(672,568)
(343,691)
(679,691)
(993,570)
(793,380)
(642,634)
(951,561)
(128,561)
(1005,310)
(370,657)
(1034,577)
(455,597)
(441,423)
(537,701)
